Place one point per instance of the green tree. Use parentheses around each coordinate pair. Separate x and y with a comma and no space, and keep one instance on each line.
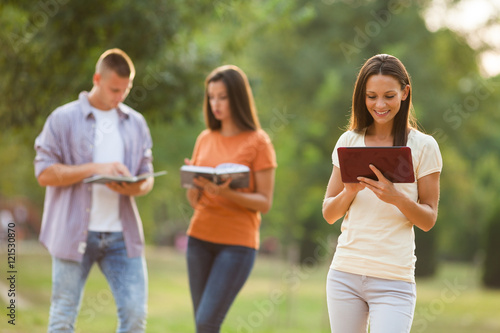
(49,52)
(308,68)
(491,268)
(301,57)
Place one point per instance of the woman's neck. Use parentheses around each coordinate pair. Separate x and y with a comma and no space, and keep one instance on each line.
(229,128)
(377,135)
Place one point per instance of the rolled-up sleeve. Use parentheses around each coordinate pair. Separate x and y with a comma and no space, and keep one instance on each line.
(68,137)
(48,150)
(147,156)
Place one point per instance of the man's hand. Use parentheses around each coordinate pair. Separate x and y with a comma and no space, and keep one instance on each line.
(118,169)
(67,175)
(130,189)
(112,169)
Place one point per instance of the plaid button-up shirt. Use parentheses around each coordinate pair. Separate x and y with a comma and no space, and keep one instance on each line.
(68,138)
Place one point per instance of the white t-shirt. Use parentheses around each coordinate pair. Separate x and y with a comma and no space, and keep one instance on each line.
(108,147)
(377,239)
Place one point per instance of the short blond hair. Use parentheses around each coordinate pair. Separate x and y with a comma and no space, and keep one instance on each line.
(117,61)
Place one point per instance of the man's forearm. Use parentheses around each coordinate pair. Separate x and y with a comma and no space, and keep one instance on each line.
(65,175)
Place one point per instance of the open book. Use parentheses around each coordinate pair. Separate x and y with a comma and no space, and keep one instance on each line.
(240,174)
(100,179)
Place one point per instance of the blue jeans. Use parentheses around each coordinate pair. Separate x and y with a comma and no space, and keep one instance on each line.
(217,273)
(127,278)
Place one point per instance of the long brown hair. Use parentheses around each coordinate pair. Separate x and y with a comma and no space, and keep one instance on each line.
(240,96)
(360,117)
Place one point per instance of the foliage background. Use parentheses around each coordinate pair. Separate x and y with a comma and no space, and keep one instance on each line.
(301,57)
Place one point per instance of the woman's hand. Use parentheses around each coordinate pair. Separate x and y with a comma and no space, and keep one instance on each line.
(260,200)
(338,196)
(422,213)
(210,188)
(193,194)
(354,187)
(383,188)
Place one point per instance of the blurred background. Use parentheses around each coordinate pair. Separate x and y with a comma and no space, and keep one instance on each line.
(302,58)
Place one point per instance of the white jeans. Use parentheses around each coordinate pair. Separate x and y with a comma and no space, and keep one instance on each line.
(353,300)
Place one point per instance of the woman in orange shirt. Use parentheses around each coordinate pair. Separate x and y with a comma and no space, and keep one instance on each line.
(224,230)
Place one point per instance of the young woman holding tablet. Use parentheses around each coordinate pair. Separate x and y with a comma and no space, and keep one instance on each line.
(371,279)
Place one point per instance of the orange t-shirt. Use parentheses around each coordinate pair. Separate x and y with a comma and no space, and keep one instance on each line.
(219,220)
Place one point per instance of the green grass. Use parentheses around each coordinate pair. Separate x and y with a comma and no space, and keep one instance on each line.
(277,298)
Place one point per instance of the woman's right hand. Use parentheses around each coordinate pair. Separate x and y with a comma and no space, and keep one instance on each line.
(193,194)
(338,196)
(354,187)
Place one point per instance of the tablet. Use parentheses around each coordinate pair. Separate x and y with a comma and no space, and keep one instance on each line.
(395,163)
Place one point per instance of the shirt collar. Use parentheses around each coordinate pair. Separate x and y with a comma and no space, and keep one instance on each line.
(123,112)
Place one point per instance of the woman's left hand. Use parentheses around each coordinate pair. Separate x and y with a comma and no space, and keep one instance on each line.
(383,188)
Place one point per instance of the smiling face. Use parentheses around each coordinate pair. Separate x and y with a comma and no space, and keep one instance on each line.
(383,98)
(219,100)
